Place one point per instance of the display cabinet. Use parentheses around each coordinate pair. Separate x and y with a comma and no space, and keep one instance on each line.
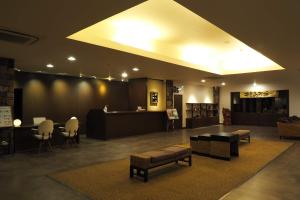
(201,114)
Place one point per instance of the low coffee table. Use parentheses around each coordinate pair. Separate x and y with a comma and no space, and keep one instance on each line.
(224,145)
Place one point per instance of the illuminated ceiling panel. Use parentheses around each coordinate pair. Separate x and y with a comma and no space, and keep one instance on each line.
(166,31)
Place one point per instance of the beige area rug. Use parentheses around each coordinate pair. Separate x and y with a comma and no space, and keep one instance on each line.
(207,179)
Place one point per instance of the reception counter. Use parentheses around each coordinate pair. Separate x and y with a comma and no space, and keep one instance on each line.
(106,125)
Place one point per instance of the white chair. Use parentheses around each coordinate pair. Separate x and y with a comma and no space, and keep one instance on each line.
(44,133)
(71,130)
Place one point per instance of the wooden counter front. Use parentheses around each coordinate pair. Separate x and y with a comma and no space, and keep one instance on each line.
(101,125)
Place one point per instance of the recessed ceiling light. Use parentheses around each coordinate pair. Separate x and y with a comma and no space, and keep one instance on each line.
(80,75)
(94,77)
(135,69)
(50,65)
(254,84)
(71,58)
(17,69)
(203,80)
(223,83)
(122,80)
(109,78)
(124,75)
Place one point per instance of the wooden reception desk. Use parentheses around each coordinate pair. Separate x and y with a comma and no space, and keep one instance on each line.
(106,125)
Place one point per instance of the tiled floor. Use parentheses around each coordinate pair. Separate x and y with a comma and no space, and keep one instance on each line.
(24,175)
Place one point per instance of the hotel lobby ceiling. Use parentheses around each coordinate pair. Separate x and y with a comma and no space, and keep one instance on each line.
(270,27)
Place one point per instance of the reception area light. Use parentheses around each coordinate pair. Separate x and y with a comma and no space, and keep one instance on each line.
(124,75)
(71,58)
(109,78)
(189,41)
(50,65)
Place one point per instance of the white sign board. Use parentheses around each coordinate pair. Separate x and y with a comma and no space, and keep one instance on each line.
(172,114)
(5,116)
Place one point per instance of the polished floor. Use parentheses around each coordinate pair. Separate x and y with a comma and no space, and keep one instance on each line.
(24,175)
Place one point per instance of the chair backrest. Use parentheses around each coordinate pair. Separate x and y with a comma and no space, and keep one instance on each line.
(46,129)
(38,120)
(72,126)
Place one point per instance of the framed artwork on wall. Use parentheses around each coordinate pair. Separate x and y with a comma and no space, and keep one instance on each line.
(153,98)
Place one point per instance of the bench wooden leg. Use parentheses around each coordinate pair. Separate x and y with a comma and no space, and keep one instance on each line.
(190,160)
(131,171)
(145,175)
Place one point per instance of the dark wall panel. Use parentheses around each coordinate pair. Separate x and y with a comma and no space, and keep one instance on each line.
(137,93)
(61,97)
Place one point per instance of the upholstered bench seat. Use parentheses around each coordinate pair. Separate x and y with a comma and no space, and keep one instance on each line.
(243,134)
(141,163)
(220,145)
(157,156)
(200,144)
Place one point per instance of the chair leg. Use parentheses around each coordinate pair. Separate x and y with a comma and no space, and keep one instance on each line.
(49,145)
(131,171)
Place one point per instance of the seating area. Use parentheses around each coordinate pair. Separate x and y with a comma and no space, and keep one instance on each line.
(45,127)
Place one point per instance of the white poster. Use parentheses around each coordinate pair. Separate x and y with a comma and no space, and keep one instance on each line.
(5,116)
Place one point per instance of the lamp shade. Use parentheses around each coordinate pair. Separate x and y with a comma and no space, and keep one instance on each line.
(17,123)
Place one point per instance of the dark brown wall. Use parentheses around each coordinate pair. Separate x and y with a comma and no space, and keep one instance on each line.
(61,97)
(137,89)
(6,82)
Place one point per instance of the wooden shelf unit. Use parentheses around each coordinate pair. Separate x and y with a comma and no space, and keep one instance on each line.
(201,114)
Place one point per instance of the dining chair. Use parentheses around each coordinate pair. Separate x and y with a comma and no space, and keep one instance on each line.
(44,134)
(70,131)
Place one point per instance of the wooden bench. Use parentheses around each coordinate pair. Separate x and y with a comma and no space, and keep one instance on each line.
(243,134)
(141,163)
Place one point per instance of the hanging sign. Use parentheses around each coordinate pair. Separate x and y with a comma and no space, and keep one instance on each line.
(263,94)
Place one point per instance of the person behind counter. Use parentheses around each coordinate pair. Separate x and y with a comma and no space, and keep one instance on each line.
(105,109)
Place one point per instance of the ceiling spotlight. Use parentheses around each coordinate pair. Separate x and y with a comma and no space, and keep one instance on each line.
(80,75)
(122,80)
(223,83)
(203,80)
(109,78)
(254,84)
(94,77)
(135,69)
(71,58)
(17,69)
(124,75)
(49,65)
